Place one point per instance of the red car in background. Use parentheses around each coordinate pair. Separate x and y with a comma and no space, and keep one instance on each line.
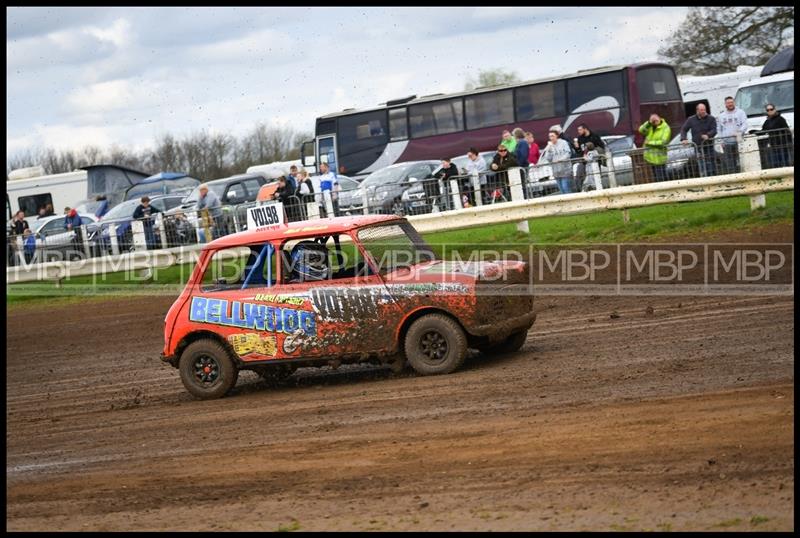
(340,290)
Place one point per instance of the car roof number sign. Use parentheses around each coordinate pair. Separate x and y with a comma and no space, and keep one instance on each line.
(265,215)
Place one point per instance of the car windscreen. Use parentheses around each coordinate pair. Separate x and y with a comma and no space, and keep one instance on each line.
(217,188)
(123,210)
(753,99)
(164,186)
(387,175)
(395,245)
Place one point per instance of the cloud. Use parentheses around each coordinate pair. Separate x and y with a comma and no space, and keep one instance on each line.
(124,75)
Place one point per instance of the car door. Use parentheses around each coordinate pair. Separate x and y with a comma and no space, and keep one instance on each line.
(235,194)
(354,314)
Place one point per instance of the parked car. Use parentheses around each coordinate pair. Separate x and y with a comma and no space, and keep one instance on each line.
(55,242)
(238,190)
(289,308)
(349,196)
(162,183)
(384,188)
(121,216)
(414,199)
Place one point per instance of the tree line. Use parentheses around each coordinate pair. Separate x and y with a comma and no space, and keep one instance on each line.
(200,154)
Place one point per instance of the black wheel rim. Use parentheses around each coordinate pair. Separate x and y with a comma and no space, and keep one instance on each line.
(206,370)
(433,346)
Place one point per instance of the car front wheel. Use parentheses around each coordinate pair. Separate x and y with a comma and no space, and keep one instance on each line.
(435,344)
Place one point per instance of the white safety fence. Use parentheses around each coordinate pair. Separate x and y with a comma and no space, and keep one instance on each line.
(753,183)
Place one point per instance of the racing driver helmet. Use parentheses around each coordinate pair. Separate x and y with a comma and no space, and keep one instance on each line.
(309,262)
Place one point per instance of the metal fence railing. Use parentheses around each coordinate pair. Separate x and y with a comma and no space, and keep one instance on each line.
(760,150)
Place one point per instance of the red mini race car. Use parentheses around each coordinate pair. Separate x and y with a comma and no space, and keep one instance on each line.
(339,290)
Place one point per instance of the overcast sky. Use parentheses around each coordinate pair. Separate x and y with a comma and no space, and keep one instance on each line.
(102,76)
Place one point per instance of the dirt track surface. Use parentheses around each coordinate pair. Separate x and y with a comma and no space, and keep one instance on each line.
(675,419)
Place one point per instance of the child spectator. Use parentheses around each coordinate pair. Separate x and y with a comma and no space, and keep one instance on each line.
(593,178)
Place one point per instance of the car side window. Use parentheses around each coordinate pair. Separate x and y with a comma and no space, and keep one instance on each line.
(52,226)
(421,171)
(242,267)
(235,193)
(159,204)
(86,220)
(170,203)
(252,186)
(307,260)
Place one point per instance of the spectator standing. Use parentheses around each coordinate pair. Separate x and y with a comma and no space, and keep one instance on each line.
(594,179)
(780,138)
(305,191)
(509,141)
(704,129)
(533,151)
(72,220)
(28,244)
(210,201)
(291,179)
(286,194)
(657,135)
(145,212)
(563,136)
(328,182)
(103,208)
(585,135)
(18,227)
(522,149)
(558,154)
(502,161)
(18,223)
(476,167)
(447,171)
(731,125)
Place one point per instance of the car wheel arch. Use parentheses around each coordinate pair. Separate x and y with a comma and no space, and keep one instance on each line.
(194,336)
(414,315)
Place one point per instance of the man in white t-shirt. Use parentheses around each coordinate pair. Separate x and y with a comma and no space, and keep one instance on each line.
(328,182)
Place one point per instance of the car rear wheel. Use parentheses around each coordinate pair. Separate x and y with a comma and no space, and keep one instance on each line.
(509,345)
(207,370)
(435,344)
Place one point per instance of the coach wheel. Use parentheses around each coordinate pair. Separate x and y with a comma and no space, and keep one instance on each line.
(207,370)
(435,344)
(509,345)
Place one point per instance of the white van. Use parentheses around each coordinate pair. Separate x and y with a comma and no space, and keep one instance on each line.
(753,96)
(713,89)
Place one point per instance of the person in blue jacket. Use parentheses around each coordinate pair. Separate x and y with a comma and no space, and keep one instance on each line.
(72,221)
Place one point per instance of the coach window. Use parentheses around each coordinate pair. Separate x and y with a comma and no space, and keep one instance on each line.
(438,117)
(244,267)
(541,101)
(398,124)
(584,90)
(362,131)
(489,109)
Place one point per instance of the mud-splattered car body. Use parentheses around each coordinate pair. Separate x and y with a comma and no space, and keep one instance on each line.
(349,317)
